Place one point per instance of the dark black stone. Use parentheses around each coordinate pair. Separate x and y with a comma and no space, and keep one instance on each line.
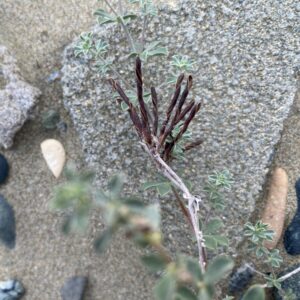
(240,279)
(291,238)
(7,224)
(4,168)
(292,283)
(74,288)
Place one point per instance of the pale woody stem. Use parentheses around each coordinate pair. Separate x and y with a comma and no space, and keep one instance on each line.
(193,202)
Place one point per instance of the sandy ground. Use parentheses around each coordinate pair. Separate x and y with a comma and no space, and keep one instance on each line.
(36,31)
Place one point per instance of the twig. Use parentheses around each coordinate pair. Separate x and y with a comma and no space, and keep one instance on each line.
(128,35)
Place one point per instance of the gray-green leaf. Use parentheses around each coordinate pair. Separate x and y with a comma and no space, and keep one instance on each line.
(165,288)
(254,292)
(102,242)
(218,269)
(153,262)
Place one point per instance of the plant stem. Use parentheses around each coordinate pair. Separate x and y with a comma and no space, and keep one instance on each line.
(255,271)
(193,202)
(125,28)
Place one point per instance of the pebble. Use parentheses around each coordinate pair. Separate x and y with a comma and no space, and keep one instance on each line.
(55,156)
(7,224)
(292,234)
(73,288)
(11,290)
(292,283)
(4,168)
(274,213)
(240,279)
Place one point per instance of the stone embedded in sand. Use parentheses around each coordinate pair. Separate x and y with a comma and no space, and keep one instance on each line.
(11,290)
(292,234)
(7,224)
(4,168)
(55,155)
(17,98)
(74,288)
(240,279)
(274,212)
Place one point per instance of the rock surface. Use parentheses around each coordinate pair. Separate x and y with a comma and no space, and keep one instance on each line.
(292,283)
(55,156)
(274,213)
(245,53)
(11,290)
(4,168)
(17,98)
(292,234)
(7,224)
(74,288)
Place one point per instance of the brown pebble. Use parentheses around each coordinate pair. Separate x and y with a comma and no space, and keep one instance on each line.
(274,212)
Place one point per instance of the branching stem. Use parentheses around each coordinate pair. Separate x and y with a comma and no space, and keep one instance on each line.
(193,202)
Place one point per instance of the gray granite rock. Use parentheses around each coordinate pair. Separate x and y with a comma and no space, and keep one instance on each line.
(11,290)
(74,288)
(17,98)
(245,54)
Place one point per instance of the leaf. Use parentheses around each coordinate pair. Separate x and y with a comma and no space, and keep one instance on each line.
(152,213)
(205,294)
(102,242)
(218,269)
(213,226)
(133,203)
(100,197)
(210,242)
(153,262)
(221,240)
(163,188)
(129,17)
(104,17)
(184,293)
(192,266)
(165,288)
(254,292)
(115,185)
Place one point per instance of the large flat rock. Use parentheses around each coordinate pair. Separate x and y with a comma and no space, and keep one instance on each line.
(246,59)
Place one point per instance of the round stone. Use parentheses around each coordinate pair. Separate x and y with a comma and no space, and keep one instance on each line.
(4,168)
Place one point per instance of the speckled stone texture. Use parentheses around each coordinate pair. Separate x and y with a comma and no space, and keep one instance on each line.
(17,98)
(246,55)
